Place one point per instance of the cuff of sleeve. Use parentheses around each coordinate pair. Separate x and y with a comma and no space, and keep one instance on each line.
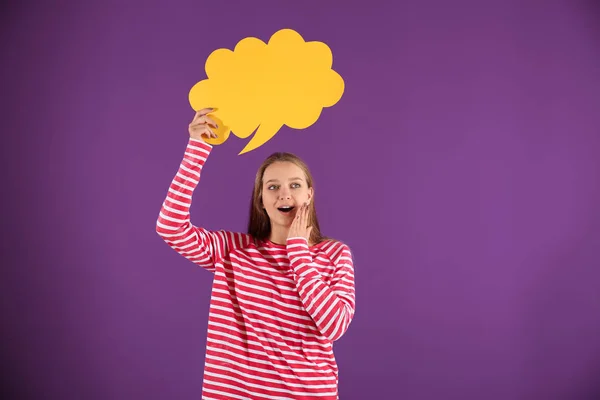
(297,241)
(196,152)
(200,143)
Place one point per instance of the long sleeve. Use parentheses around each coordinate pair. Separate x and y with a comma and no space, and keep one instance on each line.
(203,247)
(331,305)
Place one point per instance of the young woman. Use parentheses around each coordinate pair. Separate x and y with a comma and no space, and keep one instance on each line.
(282,293)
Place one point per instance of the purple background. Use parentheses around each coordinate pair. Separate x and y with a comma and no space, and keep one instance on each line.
(461,165)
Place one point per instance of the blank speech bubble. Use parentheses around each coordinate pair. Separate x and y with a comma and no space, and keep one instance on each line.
(261,87)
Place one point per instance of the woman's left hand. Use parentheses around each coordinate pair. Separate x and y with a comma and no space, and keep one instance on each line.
(299,227)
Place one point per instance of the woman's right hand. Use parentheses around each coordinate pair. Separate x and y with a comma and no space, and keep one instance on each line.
(199,128)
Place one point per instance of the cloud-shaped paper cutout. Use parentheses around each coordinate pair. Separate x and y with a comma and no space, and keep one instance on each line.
(285,82)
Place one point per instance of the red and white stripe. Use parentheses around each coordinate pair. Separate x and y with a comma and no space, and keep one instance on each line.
(275,310)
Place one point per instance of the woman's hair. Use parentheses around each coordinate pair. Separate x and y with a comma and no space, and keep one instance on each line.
(259,224)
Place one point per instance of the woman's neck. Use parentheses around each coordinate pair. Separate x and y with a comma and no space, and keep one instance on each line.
(279,235)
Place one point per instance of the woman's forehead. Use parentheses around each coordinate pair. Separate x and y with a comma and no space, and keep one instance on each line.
(283,171)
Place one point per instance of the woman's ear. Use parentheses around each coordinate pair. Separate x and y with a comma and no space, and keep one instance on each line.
(311,192)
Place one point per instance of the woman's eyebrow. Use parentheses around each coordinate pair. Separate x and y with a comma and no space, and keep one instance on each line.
(291,179)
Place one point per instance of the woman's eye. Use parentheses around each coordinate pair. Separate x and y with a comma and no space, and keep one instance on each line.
(272,187)
(295,185)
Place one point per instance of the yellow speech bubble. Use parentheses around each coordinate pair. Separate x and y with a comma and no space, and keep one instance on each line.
(261,87)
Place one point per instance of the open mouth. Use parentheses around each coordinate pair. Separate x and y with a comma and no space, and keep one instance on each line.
(286,209)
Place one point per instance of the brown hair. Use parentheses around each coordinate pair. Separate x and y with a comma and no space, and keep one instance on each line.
(259,224)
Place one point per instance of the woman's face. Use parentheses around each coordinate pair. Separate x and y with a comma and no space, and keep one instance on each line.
(284,190)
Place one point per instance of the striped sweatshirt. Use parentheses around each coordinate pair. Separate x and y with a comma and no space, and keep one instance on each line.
(275,309)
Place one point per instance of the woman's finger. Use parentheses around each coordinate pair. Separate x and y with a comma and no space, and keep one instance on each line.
(201,113)
(204,111)
(211,133)
(296,222)
(205,131)
(306,212)
(202,126)
(201,120)
(210,121)
(204,119)
(197,127)
(197,115)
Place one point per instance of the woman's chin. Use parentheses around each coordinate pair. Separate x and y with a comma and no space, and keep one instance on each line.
(283,223)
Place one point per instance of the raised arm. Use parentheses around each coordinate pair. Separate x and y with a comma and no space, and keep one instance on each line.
(201,246)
